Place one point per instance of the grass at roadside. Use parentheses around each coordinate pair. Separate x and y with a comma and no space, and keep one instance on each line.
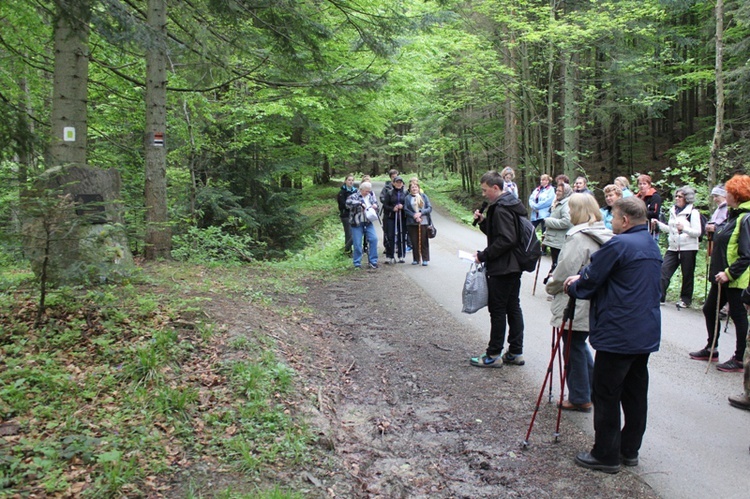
(122,385)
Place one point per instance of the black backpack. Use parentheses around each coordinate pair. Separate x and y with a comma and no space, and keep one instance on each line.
(529,250)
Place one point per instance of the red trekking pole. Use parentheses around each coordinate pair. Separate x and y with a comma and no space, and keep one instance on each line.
(568,316)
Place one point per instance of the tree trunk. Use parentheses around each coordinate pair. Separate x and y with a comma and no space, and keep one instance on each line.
(718,130)
(570,118)
(551,90)
(511,111)
(68,118)
(158,232)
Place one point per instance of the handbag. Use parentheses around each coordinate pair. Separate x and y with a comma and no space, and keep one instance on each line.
(431,230)
(475,293)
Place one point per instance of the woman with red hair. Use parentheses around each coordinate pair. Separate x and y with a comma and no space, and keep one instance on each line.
(652,199)
(729,274)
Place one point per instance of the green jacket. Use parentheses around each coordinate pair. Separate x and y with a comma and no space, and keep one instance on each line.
(738,250)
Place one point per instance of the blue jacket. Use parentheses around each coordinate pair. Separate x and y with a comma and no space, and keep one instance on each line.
(540,202)
(623,283)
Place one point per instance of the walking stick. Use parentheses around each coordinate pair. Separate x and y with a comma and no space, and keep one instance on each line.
(555,332)
(419,239)
(569,313)
(709,250)
(397,235)
(716,327)
(567,316)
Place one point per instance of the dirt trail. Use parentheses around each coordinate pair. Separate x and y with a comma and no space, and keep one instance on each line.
(400,413)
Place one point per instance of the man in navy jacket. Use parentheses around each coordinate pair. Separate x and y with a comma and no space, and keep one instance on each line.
(622,283)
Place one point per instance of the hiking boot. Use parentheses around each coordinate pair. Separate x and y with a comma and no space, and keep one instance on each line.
(567,405)
(586,460)
(731,366)
(740,401)
(705,355)
(517,360)
(486,361)
(628,461)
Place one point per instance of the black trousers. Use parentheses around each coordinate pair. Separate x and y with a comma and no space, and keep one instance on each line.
(736,312)
(504,305)
(394,239)
(620,380)
(347,234)
(686,261)
(554,254)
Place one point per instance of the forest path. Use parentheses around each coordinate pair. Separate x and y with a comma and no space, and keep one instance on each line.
(696,443)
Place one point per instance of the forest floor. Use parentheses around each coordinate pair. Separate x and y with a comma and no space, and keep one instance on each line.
(385,385)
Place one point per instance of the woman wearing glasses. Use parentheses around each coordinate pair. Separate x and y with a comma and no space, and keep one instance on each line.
(684,229)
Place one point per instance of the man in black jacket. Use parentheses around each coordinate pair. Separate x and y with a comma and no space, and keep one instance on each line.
(503,272)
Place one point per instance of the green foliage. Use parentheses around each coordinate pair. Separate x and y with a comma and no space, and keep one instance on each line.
(175,402)
(211,245)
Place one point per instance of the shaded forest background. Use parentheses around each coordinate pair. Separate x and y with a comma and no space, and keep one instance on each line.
(255,98)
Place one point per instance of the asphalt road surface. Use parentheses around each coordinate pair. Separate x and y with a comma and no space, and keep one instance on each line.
(696,444)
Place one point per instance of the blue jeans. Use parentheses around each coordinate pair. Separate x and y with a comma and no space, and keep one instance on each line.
(580,367)
(358,233)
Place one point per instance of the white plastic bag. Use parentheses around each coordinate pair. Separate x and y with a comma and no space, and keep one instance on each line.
(475,292)
(371,214)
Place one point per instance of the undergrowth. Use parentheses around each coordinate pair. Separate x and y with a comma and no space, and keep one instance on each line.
(121,386)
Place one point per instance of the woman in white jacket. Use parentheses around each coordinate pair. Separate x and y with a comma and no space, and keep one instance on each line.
(583,239)
(684,229)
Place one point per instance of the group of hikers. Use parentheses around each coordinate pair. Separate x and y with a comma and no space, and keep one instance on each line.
(406,214)
(607,263)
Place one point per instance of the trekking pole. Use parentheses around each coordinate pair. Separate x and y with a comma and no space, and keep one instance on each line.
(709,250)
(397,234)
(547,376)
(716,327)
(555,332)
(569,315)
